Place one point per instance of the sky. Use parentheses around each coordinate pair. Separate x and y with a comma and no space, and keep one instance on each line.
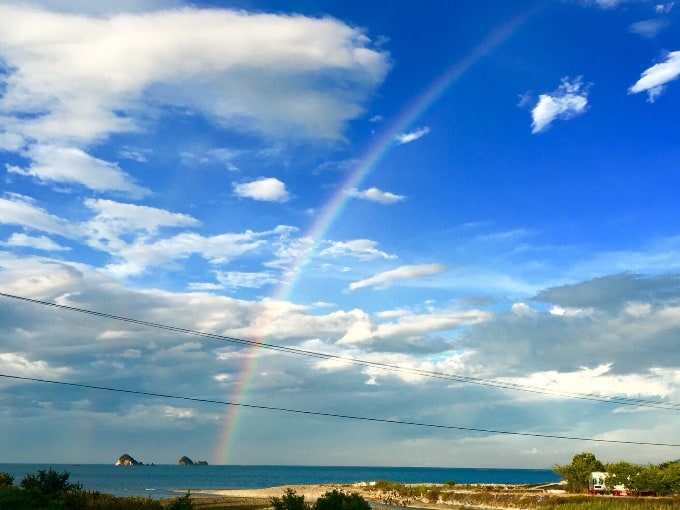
(462,214)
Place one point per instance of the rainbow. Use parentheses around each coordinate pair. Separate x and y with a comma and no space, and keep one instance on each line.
(334,208)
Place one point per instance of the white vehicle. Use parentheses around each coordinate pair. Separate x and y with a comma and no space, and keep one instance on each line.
(598,485)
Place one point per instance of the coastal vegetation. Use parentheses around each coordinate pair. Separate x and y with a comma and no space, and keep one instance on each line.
(331,500)
(51,490)
(662,479)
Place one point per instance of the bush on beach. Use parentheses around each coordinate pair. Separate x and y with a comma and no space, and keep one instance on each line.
(332,500)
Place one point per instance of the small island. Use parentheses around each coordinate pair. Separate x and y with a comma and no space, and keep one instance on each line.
(127,460)
(186,461)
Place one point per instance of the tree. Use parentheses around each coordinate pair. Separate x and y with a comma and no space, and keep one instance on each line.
(624,473)
(289,501)
(6,480)
(336,500)
(577,474)
(49,482)
(670,477)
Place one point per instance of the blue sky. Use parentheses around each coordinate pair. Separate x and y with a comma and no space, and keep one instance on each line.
(484,190)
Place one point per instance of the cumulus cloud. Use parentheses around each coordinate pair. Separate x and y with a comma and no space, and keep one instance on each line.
(401,273)
(18,364)
(626,322)
(377,195)
(268,189)
(412,136)
(569,100)
(263,72)
(654,79)
(364,249)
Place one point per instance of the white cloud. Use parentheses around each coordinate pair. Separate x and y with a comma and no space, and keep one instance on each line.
(240,279)
(115,219)
(401,273)
(659,383)
(143,253)
(408,327)
(654,79)
(523,310)
(37,277)
(18,364)
(136,236)
(11,142)
(570,312)
(135,155)
(181,413)
(98,8)
(133,216)
(267,189)
(363,249)
(609,4)
(84,76)
(664,8)
(51,163)
(648,27)
(569,100)
(377,195)
(412,136)
(39,243)
(21,210)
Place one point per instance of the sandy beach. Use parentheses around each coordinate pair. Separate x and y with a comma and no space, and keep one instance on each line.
(490,496)
(310,492)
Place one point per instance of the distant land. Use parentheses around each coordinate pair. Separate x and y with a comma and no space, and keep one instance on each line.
(128,460)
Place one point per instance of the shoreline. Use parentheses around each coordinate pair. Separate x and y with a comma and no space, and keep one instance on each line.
(312,492)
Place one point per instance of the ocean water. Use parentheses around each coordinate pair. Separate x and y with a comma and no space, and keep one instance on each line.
(161,480)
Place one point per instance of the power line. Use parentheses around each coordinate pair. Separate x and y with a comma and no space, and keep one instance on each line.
(331,415)
(371,364)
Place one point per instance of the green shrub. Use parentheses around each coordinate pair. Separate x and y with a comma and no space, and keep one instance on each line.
(6,480)
(49,482)
(577,474)
(289,501)
(340,501)
(182,503)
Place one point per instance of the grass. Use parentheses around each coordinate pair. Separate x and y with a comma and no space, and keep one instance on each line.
(462,497)
(617,504)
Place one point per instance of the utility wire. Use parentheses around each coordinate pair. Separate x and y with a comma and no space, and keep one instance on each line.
(371,364)
(331,415)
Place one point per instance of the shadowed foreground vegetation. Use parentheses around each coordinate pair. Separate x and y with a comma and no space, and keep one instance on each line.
(462,497)
(49,490)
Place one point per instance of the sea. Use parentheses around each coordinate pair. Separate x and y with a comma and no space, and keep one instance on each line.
(163,481)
